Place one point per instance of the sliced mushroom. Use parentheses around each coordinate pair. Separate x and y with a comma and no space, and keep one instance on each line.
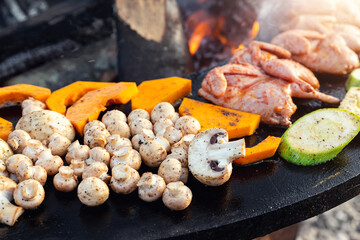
(177,196)
(115,142)
(49,162)
(126,156)
(77,151)
(188,125)
(9,213)
(170,170)
(138,113)
(58,144)
(162,110)
(29,194)
(150,187)
(210,156)
(93,191)
(124,179)
(18,140)
(65,180)
(98,154)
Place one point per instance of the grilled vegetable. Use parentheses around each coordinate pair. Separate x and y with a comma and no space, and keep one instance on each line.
(6,128)
(353,79)
(351,102)
(20,92)
(319,136)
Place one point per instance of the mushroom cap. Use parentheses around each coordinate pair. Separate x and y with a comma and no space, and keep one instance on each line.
(188,125)
(115,142)
(173,135)
(177,196)
(150,187)
(164,142)
(3,171)
(210,156)
(152,153)
(65,180)
(14,161)
(162,124)
(25,171)
(162,110)
(184,175)
(139,139)
(121,128)
(49,162)
(138,125)
(96,136)
(34,149)
(7,187)
(58,144)
(93,191)
(77,151)
(18,140)
(98,154)
(113,116)
(96,169)
(50,122)
(124,179)
(94,123)
(5,150)
(180,154)
(170,170)
(29,194)
(127,156)
(138,113)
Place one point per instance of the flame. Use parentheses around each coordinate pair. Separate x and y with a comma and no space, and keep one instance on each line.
(255,30)
(234,50)
(201,30)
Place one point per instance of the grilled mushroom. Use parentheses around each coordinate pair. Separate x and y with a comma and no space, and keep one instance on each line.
(177,196)
(188,125)
(65,180)
(127,156)
(150,187)
(138,113)
(98,154)
(162,110)
(58,144)
(170,170)
(77,151)
(210,156)
(93,191)
(124,179)
(115,122)
(18,140)
(29,194)
(31,105)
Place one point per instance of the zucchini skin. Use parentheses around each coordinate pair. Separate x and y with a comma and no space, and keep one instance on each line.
(310,159)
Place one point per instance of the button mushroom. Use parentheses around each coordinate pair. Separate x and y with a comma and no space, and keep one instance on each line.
(3,171)
(115,142)
(94,123)
(31,105)
(5,150)
(9,213)
(179,152)
(58,144)
(78,166)
(162,110)
(170,170)
(65,180)
(139,139)
(162,124)
(188,125)
(184,175)
(29,194)
(124,179)
(126,156)
(150,187)
(97,169)
(41,124)
(138,113)
(77,151)
(138,125)
(95,136)
(98,154)
(173,135)
(18,140)
(33,149)
(177,196)
(49,162)
(210,156)
(152,153)
(115,122)
(92,191)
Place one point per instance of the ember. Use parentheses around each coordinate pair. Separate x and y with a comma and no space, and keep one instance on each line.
(215,29)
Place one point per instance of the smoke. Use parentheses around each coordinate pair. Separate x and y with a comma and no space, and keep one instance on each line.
(274,13)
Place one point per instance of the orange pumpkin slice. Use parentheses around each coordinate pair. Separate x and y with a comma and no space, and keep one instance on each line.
(153,92)
(6,128)
(263,150)
(236,123)
(21,92)
(89,106)
(68,95)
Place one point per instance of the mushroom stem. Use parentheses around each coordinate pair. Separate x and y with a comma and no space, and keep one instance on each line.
(14,144)
(9,213)
(228,150)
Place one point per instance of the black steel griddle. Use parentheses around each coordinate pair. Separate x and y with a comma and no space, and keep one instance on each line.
(257,200)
